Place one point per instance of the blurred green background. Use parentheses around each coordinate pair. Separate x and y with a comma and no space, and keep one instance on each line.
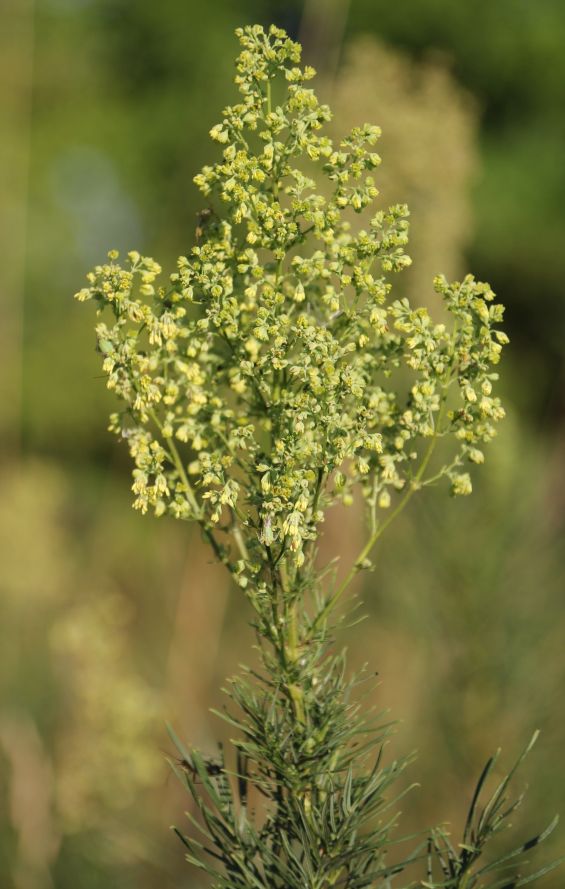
(109,623)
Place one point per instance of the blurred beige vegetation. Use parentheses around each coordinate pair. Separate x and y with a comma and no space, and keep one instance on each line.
(107,753)
(66,640)
(428,148)
(111,623)
(83,593)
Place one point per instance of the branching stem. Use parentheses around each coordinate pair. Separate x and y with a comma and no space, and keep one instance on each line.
(413,486)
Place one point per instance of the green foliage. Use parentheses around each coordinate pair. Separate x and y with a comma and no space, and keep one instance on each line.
(328,823)
(272,376)
(462,867)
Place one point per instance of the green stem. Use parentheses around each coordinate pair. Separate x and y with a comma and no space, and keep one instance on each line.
(291,656)
(176,458)
(321,478)
(297,699)
(293,633)
(414,485)
(240,542)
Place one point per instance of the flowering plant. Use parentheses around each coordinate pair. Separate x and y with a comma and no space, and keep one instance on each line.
(272,375)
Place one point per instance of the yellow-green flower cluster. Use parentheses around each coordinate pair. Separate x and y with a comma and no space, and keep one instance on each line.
(274,372)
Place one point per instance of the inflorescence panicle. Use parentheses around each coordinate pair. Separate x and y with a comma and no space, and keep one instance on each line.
(265,379)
